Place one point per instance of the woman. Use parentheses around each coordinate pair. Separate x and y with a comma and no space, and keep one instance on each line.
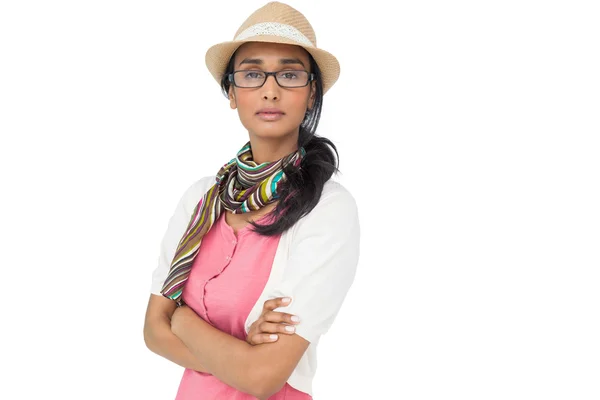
(271,225)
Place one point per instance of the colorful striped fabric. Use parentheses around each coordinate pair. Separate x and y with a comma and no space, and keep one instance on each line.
(241,186)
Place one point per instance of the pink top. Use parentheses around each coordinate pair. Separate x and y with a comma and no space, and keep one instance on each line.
(226,280)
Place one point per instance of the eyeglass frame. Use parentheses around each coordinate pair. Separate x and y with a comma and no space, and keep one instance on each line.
(311,77)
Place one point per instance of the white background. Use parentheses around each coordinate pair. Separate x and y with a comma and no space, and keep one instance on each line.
(468,134)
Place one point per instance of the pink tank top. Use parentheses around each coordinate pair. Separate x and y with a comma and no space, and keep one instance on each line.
(227,278)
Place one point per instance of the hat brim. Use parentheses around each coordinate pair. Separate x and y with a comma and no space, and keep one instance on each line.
(218,56)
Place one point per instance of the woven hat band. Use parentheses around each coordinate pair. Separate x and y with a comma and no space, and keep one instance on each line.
(274,29)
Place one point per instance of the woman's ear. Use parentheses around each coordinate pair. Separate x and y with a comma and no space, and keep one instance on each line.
(232,102)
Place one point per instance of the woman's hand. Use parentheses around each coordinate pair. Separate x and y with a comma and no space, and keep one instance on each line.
(271,322)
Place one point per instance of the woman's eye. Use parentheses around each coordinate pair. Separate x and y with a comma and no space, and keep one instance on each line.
(253,75)
(289,75)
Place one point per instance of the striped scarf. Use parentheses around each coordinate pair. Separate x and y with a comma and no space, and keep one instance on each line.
(241,186)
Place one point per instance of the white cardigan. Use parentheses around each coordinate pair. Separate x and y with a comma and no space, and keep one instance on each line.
(315,264)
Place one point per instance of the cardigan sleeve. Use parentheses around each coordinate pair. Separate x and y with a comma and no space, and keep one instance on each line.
(175,229)
(322,263)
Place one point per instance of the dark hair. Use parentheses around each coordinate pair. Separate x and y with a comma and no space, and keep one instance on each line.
(301,191)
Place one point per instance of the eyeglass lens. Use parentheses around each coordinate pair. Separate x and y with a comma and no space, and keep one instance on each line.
(257,78)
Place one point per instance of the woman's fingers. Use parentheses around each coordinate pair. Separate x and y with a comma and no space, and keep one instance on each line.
(269,327)
(272,323)
(277,316)
(276,302)
(264,338)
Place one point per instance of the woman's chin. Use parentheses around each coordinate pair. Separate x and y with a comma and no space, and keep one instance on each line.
(270,129)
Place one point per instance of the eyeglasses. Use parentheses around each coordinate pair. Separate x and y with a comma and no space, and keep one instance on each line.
(256,78)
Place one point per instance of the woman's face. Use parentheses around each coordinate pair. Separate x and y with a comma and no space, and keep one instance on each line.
(292,102)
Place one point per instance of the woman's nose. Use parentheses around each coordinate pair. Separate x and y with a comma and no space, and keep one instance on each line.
(270,88)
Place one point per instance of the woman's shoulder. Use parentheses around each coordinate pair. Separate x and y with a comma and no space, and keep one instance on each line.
(336,210)
(196,190)
(336,196)
(335,188)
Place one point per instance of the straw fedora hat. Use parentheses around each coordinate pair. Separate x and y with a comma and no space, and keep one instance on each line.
(275,22)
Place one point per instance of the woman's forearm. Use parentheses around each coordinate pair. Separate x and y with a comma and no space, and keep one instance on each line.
(231,360)
(162,341)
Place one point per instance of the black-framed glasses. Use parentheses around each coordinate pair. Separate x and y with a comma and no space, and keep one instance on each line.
(255,78)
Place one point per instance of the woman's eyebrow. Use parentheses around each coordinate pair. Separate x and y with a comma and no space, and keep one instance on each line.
(282,61)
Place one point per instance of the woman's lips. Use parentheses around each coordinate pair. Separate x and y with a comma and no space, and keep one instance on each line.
(269,116)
